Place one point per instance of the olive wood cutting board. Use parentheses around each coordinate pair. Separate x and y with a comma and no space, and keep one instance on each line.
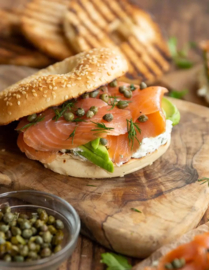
(167,193)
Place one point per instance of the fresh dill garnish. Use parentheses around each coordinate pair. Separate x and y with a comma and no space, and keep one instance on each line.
(136,210)
(77,120)
(113,102)
(38,119)
(72,134)
(65,107)
(101,128)
(132,128)
(204,180)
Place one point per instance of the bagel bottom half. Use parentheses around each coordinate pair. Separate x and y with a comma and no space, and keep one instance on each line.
(70,165)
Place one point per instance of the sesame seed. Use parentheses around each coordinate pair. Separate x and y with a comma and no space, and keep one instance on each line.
(44,95)
(66,97)
(18,103)
(35,95)
(108,73)
(48,99)
(50,87)
(55,88)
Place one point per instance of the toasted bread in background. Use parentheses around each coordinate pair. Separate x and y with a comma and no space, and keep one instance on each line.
(41,23)
(97,23)
(14,48)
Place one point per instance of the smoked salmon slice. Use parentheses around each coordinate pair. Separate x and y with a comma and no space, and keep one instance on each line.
(120,149)
(50,135)
(195,255)
(45,157)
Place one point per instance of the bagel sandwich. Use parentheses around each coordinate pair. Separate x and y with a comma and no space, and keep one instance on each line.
(78,119)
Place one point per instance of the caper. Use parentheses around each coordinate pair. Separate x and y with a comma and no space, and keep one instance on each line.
(31,117)
(16,231)
(38,247)
(89,114)
(69,116)
(44,245)
(6,209)
(177,263)
(13,223)
(142,118)
(122,89)
(47,237)
(57,248)
(86,95)
(127,94)
(2,235)
(4,228)
(20,239)
(39,223)
(15,250)
(57,239)
(34,230)
(8,246)
(39,240)
(18,258)
(44,228)
(8,234)
(46,252)
(104,97)
(1,215)
(142,85)
(23,216)
(33,255)
(52,229)
(108,117)
(23,251)
(40,210)
(168,266)
(43,216)
(80,112)
(27,233)
(94,109)
(59,224)
(25,224)
(132,87)
(103,141)
(122,104)
(51,220)
(14,240)
(32,246)
(94,94)
(114,83)
(7,258)
(19,220)
(2,241)
(2,248)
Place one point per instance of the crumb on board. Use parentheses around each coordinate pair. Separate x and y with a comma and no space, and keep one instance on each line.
(3,150)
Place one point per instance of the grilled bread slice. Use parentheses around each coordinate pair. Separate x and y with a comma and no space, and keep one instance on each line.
(41,23)
(97,23)
(14,49)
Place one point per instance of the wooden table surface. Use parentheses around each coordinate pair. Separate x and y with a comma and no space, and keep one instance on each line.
(188,21)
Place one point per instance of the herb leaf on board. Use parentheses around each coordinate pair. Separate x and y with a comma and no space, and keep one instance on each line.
(204,180)
(115,262)
(178,94)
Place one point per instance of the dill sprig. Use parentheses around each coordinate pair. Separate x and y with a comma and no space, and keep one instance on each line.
(65,107)
(72,135)
(113,102)
(132,128)
(78,120)
(204,180)
(101,128)
(136,210)
(38,119)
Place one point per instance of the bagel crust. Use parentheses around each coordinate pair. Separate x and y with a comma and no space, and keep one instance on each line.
(69,165)
(60,82)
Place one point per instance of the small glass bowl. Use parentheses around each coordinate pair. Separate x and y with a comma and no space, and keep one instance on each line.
(27,201)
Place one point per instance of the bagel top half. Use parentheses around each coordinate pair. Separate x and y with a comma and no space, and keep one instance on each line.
(62,81)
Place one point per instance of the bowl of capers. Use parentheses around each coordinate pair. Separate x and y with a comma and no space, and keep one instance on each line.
(37,230)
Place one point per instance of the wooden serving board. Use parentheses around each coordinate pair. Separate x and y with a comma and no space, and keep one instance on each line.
(167,192)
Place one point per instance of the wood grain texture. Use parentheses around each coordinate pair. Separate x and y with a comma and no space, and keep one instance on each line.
(171,200)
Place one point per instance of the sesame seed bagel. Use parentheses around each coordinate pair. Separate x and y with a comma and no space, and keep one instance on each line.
(62,81)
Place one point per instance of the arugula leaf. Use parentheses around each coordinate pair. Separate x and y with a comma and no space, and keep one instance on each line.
(178,94)
(132,128)
(38,119)
(172,45)
(115,262)
(203,180)
(183,62)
